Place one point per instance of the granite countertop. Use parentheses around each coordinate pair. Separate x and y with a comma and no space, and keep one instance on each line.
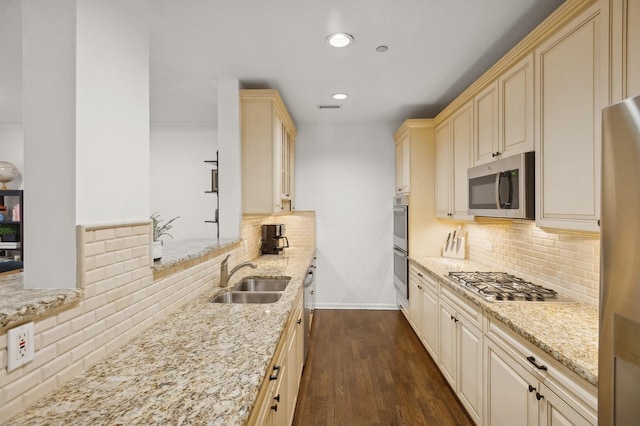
(566,331)
(203,365)
(183,250)
(18,304)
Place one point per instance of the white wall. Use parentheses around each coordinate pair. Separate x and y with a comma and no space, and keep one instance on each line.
(346,173)
(179,177)
(112,110)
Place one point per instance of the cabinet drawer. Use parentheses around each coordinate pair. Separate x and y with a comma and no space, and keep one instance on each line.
(471,312)
(421,277)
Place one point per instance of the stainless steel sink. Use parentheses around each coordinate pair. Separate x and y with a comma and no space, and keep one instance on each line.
(247,297)
(262,284)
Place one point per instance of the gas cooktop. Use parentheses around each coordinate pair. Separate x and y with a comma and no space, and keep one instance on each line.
(503,287)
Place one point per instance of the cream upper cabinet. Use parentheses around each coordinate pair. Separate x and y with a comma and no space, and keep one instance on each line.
(572,83)
(454,147)
(516,108)
(625,49)
(486,145)
(403,162)
(504,115)
(268,147)
(462,143)
(443,169)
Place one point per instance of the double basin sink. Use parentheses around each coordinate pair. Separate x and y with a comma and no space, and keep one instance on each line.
(255,290)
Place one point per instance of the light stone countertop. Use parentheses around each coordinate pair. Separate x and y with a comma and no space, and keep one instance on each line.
(183,250)
(566,331)
(203,365)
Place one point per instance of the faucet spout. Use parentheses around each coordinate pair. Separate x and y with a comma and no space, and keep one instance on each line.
(225,275)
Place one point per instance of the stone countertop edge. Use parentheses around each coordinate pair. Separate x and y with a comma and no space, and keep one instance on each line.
(184,250)
(204,364)
(568,332)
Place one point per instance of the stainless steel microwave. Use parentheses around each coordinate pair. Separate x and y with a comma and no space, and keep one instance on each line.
(503,188)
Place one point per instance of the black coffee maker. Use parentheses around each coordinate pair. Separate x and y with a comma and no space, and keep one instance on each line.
(273,239)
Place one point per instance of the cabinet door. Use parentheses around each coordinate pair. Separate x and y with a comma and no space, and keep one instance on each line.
(571,82)
(632,48)
(443,169)
(447,351)
(470,368)
(556,412)
(516,108)
(508,398)
(486,125)
(429,326)
(415,304)
(403,163)
(462,139)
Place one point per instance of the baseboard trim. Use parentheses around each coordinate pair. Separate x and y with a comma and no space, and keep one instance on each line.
(362,306)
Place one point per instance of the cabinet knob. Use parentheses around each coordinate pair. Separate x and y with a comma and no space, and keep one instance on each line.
(538,396)
(420,274)
(531,388)
(274,407)
(299,321)
(277,398)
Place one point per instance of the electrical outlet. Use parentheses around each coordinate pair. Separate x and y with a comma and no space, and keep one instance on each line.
(20,345)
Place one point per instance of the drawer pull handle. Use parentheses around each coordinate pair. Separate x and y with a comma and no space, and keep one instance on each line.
(277,398)
(299,321)
(274,407)
(532,360)
(538,396)
(274,376)
(531,388)
(420,274)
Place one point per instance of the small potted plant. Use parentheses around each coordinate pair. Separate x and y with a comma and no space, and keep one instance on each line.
(8,232)
(160,229)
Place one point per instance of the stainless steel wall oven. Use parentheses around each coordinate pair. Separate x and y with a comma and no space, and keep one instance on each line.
(401,249)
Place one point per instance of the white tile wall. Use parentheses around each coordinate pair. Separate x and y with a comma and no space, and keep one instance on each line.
(566,262)
(121,299)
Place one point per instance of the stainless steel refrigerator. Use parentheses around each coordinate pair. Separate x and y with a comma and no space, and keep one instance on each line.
(619,352)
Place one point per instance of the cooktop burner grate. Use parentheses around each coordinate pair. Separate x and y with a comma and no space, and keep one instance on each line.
(500,286)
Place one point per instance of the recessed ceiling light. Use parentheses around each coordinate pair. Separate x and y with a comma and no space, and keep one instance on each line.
(382,48)
(340,96)
(340,39)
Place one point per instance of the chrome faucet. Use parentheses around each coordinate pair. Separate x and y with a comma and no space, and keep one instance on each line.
(225,275)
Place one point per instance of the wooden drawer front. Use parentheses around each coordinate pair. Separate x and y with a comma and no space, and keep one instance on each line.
(471,312)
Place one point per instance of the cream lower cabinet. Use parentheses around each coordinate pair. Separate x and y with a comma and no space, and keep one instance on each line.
(572,83)
(278,394)
(423,309)
(461,351)
(519,393)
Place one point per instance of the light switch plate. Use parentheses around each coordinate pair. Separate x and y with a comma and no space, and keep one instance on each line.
(20,345)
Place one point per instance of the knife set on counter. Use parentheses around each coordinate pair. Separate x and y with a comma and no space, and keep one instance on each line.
(455,246)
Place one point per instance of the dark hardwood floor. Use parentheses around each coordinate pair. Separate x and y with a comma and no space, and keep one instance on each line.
(369,368)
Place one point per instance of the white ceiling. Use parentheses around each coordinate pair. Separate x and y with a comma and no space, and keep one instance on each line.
(437,48)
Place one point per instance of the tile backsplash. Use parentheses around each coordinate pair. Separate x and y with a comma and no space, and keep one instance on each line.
(299,230)
(566,262)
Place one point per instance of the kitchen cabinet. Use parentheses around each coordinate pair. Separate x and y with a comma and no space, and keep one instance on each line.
(403,163)
(454,148)
(278,394)
(268,150)
(423,309)
(524,388)
(504,115)
(572,87)
(625,49)
(461,351)
(486,143)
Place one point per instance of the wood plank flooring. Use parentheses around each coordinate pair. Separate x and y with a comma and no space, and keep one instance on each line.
(369,368)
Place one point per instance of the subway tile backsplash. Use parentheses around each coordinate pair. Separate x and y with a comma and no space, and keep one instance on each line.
(567,262)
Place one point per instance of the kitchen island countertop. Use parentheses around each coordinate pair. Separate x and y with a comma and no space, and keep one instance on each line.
(566,331)
(202,365)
